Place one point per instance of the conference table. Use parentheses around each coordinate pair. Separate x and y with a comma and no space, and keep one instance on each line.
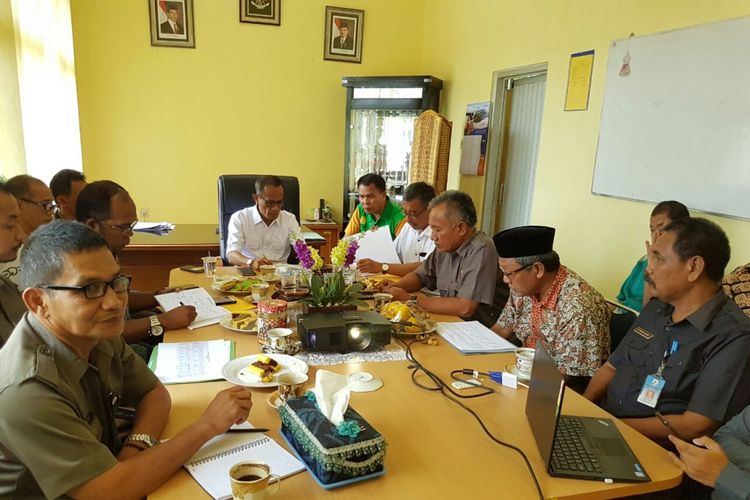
(435,448)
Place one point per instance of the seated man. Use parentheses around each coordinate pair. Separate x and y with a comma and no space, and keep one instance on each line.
(414,242)
(259,235)
(737,287)
(11,237)
(633,292)
(66,365)
(36,206)
(375,208)
(551,304)
(463,267)
(722,463)
(65,186)
(686,356)
(109,210)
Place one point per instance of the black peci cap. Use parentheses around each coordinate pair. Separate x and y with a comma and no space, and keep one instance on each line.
(524,241)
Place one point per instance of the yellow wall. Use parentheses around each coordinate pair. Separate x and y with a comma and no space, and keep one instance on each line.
(12,156)
(166,122)
(599,237)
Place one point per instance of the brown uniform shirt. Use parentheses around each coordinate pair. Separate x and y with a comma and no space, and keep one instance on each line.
(11,309)
(56,420)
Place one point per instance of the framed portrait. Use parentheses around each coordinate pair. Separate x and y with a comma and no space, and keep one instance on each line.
(343,34)
(171,23)
(260,11)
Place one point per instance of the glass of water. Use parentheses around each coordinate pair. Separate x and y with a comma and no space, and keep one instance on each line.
(209,266)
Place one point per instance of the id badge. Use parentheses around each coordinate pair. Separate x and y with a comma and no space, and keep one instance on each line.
(651,390)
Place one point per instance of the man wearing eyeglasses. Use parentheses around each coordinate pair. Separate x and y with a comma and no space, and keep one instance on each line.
(66,367)
(36,207)
(259,235)
(108,209)
(414,243)
(11,237)
(551,304)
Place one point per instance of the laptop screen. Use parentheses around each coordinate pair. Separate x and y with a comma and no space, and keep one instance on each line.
(544,401)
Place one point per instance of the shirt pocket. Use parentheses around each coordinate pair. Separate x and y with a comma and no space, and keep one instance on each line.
(639,352)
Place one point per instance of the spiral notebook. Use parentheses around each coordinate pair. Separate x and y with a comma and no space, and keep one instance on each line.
(210,465)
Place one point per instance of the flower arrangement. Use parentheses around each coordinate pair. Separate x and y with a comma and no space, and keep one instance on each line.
(308,257)
(345,252)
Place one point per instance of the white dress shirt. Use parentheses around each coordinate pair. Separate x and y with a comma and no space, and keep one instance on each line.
(249,235)
(413,245)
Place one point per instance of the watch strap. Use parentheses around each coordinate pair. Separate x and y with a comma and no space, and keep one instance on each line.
(147,440)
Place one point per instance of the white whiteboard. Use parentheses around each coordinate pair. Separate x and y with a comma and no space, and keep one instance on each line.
(678,127)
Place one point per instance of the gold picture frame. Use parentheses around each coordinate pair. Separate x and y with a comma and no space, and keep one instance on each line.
(343,34)
(261,12)
(171,23)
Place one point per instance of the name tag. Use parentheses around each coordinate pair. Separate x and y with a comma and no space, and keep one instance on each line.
(644,333)
(651,390)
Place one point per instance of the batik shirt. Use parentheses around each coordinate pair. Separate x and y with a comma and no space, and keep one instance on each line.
(737,287)
(572,321)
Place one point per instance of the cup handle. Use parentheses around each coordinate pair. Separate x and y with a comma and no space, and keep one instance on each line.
(276,482)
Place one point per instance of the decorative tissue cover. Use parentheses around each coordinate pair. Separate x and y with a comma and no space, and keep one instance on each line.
(334,453)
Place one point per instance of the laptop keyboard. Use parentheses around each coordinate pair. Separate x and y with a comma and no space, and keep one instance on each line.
(569,453)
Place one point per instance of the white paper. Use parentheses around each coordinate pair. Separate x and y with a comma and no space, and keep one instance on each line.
(208,312)
(471,151)
(180,362)
(153,227)
(378,246)
(471,337)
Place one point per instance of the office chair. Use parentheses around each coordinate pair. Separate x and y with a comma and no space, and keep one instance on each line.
(235,193)
(622,319)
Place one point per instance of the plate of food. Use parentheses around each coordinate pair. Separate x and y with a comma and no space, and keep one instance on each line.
(237,285)
(261,370)
(408,319)
(240,322)
(376,284)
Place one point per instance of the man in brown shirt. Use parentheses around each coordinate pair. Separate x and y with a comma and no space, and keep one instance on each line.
(65,368)
(11,238)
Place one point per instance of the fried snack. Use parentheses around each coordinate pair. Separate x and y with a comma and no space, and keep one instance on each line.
(244,321)
(238,285)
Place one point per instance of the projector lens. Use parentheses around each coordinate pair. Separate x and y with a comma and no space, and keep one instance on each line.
(358,337)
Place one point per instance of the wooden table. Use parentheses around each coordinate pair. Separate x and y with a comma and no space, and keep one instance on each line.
(149,257)
(435,448)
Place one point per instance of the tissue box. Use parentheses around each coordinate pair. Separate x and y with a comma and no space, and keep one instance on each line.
(331,457)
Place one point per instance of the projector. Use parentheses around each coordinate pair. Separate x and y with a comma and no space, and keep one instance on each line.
(343,331)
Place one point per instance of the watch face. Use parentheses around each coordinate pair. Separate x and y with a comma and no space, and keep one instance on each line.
(157,330)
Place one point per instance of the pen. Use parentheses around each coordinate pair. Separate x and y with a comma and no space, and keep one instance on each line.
(247,430)
(667,424)
(181,303)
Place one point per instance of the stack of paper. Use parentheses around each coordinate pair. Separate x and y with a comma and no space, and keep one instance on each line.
(183,362)
(471,337)
(153,227)
(208,312)
(378,246)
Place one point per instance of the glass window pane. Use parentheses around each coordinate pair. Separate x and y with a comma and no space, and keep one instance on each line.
(387,93)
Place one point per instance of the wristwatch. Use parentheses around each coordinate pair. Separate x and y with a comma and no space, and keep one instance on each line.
(384,268)
(145,439)
(155,329)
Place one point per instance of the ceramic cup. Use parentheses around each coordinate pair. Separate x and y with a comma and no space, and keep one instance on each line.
(280,340)
(209,266)
(260,291)
(524,361)
(291,385)
(379,300)
(268,273)
(252,480)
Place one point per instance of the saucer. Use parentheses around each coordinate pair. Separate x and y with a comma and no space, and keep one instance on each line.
(364,382)
(513,369)
(273,400)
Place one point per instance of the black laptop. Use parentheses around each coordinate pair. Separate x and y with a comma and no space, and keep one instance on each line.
(577,447)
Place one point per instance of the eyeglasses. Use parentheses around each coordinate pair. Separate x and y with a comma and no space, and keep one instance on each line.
(272,203)
(510,274)
(47,206)
(413,215)
(96,289)
(123,228)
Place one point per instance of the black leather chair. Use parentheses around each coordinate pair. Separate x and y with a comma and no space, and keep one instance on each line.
(235,193)
(619,324)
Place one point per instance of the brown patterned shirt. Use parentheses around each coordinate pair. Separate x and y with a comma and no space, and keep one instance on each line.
(737,287)
(572,321)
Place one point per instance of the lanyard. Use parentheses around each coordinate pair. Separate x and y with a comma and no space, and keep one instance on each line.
(667,353)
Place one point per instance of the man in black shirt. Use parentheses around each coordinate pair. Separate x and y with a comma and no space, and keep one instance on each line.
(682,368)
